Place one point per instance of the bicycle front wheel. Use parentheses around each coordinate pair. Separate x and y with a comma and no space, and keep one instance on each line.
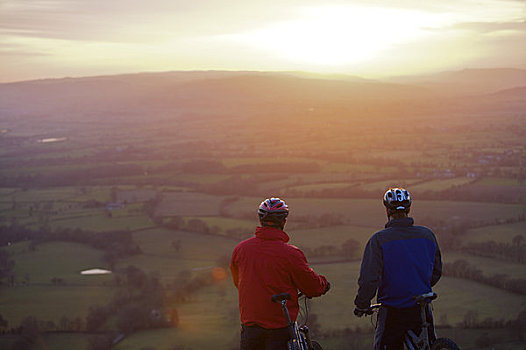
(444,344)
(316,345)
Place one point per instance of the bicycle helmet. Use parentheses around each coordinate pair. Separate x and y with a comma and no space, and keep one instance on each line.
(273,211)
(397,199)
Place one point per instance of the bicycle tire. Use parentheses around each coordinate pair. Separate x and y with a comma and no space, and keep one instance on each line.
(444,344)
(316,345)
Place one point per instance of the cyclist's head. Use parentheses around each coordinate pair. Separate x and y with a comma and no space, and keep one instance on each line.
(273,212)
(397,201)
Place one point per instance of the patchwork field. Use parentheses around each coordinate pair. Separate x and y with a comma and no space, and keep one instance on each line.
(370,212)
(161,195)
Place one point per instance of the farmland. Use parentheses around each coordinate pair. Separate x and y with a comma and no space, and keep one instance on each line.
(160,196)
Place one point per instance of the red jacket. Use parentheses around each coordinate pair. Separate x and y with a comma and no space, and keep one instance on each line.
(265,265)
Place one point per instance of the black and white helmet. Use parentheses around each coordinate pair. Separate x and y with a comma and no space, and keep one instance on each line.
(397,199)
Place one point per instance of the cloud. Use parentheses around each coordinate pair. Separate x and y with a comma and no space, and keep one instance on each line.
(13,49)
(72,19)
(182,34)
(132,20)
(498,44)
(139,21)
(18,51)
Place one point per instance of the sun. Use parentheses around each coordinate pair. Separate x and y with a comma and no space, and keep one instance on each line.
(338,35)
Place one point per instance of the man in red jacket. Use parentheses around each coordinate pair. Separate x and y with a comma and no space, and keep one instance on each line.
(263,266)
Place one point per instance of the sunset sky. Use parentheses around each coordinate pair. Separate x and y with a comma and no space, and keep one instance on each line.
(57,38)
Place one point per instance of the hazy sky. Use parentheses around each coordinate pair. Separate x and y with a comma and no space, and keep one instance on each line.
(57,38)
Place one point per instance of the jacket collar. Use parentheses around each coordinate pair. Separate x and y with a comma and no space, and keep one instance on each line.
(271,233)
(402,222)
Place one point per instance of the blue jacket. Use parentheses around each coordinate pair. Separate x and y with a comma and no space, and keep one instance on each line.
(399,262)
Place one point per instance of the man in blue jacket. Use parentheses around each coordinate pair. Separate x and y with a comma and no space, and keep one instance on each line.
(399,262)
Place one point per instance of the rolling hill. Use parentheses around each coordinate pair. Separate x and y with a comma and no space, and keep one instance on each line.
(234,91)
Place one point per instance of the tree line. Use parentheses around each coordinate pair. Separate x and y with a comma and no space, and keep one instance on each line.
(72,177)
(462,269)
(512,252)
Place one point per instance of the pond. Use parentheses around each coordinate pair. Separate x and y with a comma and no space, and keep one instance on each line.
(95,272)
(54,139)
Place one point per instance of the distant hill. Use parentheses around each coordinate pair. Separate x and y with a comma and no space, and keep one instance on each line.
(469,81)
(242,93)
(182,90)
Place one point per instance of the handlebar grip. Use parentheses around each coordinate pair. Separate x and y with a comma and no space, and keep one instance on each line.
(328,287)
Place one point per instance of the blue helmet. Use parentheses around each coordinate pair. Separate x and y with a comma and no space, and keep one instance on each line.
(397,199)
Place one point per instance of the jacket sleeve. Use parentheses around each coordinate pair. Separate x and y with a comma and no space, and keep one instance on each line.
(304,278)
(234,269)
(370,273)
(437,266)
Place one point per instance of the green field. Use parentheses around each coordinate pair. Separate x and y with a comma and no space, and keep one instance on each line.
(63,341)
(382,186)
(497,233)
(233,162)
(57,259)
(197,252)
(334,235)
(189,204)
(51,303)
(496,181)
(456,297)
(35,295)
(440,185)
(100,222)
(225,224)
(42,195)
(6,191)
(167,339)
(135,195)
(319,187)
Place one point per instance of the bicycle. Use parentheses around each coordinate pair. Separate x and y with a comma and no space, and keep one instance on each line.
(299,334)
(421,341)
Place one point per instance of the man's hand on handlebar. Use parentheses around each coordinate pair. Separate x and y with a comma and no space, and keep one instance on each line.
(300,293)
(359,312)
